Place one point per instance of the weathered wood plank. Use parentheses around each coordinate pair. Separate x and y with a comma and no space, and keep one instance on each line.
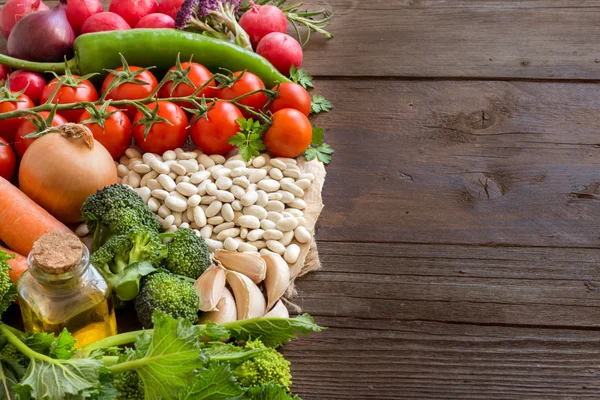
(462,162)
(386,347)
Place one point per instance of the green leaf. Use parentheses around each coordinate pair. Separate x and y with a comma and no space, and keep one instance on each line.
(249,139)
(213,331)
(301,77)
(320,104)
(269,391)
(318,135)
(318,149)
(214,383)
(218,351)
(58,379)
(11,373)
(272,332)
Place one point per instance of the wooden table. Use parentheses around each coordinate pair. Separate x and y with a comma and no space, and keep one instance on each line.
(459,237)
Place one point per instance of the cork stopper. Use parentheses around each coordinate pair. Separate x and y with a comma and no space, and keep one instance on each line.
(57,252)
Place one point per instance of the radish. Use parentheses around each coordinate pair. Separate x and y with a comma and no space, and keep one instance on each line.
(14,10)
(156,20)
(259,21)
(78,11)
(104,21)
(33,81)
(170,7)
(281,50)
(133,10)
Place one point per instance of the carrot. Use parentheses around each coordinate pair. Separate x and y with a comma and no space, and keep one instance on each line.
(22,221)
(18,265)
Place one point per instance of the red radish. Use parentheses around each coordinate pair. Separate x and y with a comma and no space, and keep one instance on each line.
(281,50)
(4,71)
(259,21)
(78,11)
(133,10)
(14,10)
(170,7)
(32,81)
(104,21)
(156,20)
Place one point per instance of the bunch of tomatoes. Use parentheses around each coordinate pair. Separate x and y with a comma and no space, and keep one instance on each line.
(288,135)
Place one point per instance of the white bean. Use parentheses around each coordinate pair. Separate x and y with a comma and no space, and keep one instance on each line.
(134,179)
(303,184)
(244,233)
(277,163)
(207,200)
(189,214)
(272,234)
(276,174)
(199,176)
(256,211)
(211,189)
(301,221)
(231,244)
(225,196)
(256,175)
(302,234)
(286,214)
(259,244)
(241,181)
(292,173)
(172,175)
(149,157)
(263,198)
(221,227)
(132,152)
(237,191)
(231,232)
(187,189)
(213,244)
(169,155)
(124,160)
(275,246)
(267,224)
(255,234)
(153,184)
(232,164)
(274,216)
(199,217)
(150,175)
(185,155)
(159,166)
(214,209)
(286,197)
(246,247)
(292,253)
(175,204)
(142,168)
(287,180)
(82,230)
(238,172)
(194,200)
(218,220)
(269,185)
(224,183)
(237,205)
(287,238)
(249,198)
(249,221)
(227,212)
(217,158)
(178,218)
(163,211)
(287,224)
(293,189)
(168,221)
(275,205)
(160,194)
(298,203)
(144,193)
(178,169)
(191,165)
(153,204)
(206,161)
(202,187)
(166,182)
(124,181)
(216,174)
(122,170)
(276,196)
(259,161)
(172,229)
(206,231)
(184,225)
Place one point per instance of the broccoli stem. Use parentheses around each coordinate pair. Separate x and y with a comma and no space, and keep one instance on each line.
(113,341)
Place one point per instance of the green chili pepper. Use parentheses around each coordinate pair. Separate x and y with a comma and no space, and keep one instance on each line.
(95,52)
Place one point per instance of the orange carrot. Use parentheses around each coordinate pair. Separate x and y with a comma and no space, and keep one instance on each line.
(18,265)
(22,221)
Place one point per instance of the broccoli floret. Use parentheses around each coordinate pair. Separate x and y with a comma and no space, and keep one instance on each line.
(268,366)
(8,290)
(124,259)
(10,352)
(115,210)
(129,386)
(188,254)
(172,294)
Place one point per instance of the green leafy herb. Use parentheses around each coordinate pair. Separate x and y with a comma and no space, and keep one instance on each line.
(320,104)
(213,383)
(318,148)
(301,77)
(45,343)
(269,391)
(249,138)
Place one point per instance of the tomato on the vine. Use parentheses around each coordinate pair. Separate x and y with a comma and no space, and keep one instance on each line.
(27,127)
(211,134)
(290,133)
(198,75)
(8,127)
(80,91)
(116,135)
(131,90)
(246,84)
(8,160)
(162,136)
(291,95)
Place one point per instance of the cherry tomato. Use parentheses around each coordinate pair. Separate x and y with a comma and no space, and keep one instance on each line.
(291,95)
(8,127)
(8,160)
(198,75)
(131,91)
(162,136)
(27,127)
(246,84)
(290,134)
(84,91)
(212,133)
(116,135)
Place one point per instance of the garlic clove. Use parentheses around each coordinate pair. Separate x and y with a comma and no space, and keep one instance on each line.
(210,287)
(226,310)
(249,300)
(251,265)
(278,311)
(277,279)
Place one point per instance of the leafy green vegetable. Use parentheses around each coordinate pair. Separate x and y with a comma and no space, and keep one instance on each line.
(215,383)
(45,343)
(320,104)
(8,290)
(318,149)
(301,77)
(249,138)
(270,391)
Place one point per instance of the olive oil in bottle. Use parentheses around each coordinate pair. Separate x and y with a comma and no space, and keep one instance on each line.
(61,289)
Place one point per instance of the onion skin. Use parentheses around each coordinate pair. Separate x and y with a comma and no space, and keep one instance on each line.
(60,170)
(42,36)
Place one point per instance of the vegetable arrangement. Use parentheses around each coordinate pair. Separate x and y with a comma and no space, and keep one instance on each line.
(186,176)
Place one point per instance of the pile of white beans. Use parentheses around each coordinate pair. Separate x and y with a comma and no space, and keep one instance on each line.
(236,205)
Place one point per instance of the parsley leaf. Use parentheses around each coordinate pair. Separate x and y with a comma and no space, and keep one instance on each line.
(320,104)
(301,77)
(318,149)
(249,138)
